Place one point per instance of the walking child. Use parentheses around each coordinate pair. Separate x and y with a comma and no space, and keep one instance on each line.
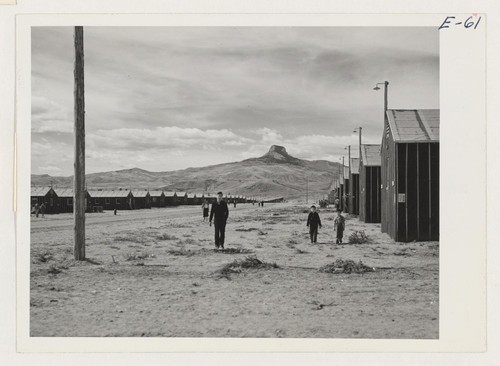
(339,226)
(313,222)
(337,204)
(205,206)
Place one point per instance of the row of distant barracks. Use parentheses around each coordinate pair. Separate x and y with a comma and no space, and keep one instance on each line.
(60,200)
(397,183)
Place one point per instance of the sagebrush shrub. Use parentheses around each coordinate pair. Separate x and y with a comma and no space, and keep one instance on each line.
(358,237)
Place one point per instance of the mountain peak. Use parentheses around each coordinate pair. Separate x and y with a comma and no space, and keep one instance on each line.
(277,149)
(278,154)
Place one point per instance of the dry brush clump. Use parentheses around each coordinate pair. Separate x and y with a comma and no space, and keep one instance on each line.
(43,257)
(346,266)
(181,252)
(166,237)
(234,251)
(187,241)
(237,266)
(358,237)
(244,229)
(178,226)
(403,253)
(131,238)
(54,270)
(134,257)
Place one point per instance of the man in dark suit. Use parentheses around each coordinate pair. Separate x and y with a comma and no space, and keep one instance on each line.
(219,213)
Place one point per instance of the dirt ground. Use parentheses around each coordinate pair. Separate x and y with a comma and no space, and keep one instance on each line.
(155,273)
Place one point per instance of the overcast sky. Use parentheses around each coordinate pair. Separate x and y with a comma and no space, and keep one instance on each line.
(174,97)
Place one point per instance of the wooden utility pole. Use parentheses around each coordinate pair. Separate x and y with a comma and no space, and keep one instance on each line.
(360,144)
(339,173)
(386,87)
(343,165)
(342,192)
(79,174)
(349,162)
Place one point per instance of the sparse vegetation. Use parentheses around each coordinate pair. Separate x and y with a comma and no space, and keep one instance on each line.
(186,241)
(181,252)
(131,238)
(235,251)
(358,237)
(403,252)
(346,266)
(54,269)
(270,222)
(249,229)
(250,262)
(166,236)
(133,257)
(43,257)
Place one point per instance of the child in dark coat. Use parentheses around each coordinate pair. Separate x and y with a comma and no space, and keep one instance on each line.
(313,222)
(339,226)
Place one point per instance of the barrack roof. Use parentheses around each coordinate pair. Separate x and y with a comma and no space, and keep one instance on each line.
(414,125)
(155,193)
(370,154)
(118,193)
(40,191)
(346,172)
(354,165)
(65,192)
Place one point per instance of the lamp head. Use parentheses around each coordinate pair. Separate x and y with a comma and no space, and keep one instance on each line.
(376,87)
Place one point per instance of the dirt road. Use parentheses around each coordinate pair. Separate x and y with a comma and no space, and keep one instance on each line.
(65,221)
(155,273)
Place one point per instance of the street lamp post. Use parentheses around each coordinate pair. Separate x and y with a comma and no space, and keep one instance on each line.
(347,195)
(349,159)
(386,87)
(343,163)
(358,129)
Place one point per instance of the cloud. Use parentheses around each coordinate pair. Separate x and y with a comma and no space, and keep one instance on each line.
(49,116)
(269,136)
(209,94)
(49,169)
(166,138)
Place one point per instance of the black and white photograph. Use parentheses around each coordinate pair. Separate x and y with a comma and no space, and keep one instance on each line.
(236,182)
(247,182)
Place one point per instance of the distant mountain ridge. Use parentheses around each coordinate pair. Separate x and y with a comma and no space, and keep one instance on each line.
(275,174)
